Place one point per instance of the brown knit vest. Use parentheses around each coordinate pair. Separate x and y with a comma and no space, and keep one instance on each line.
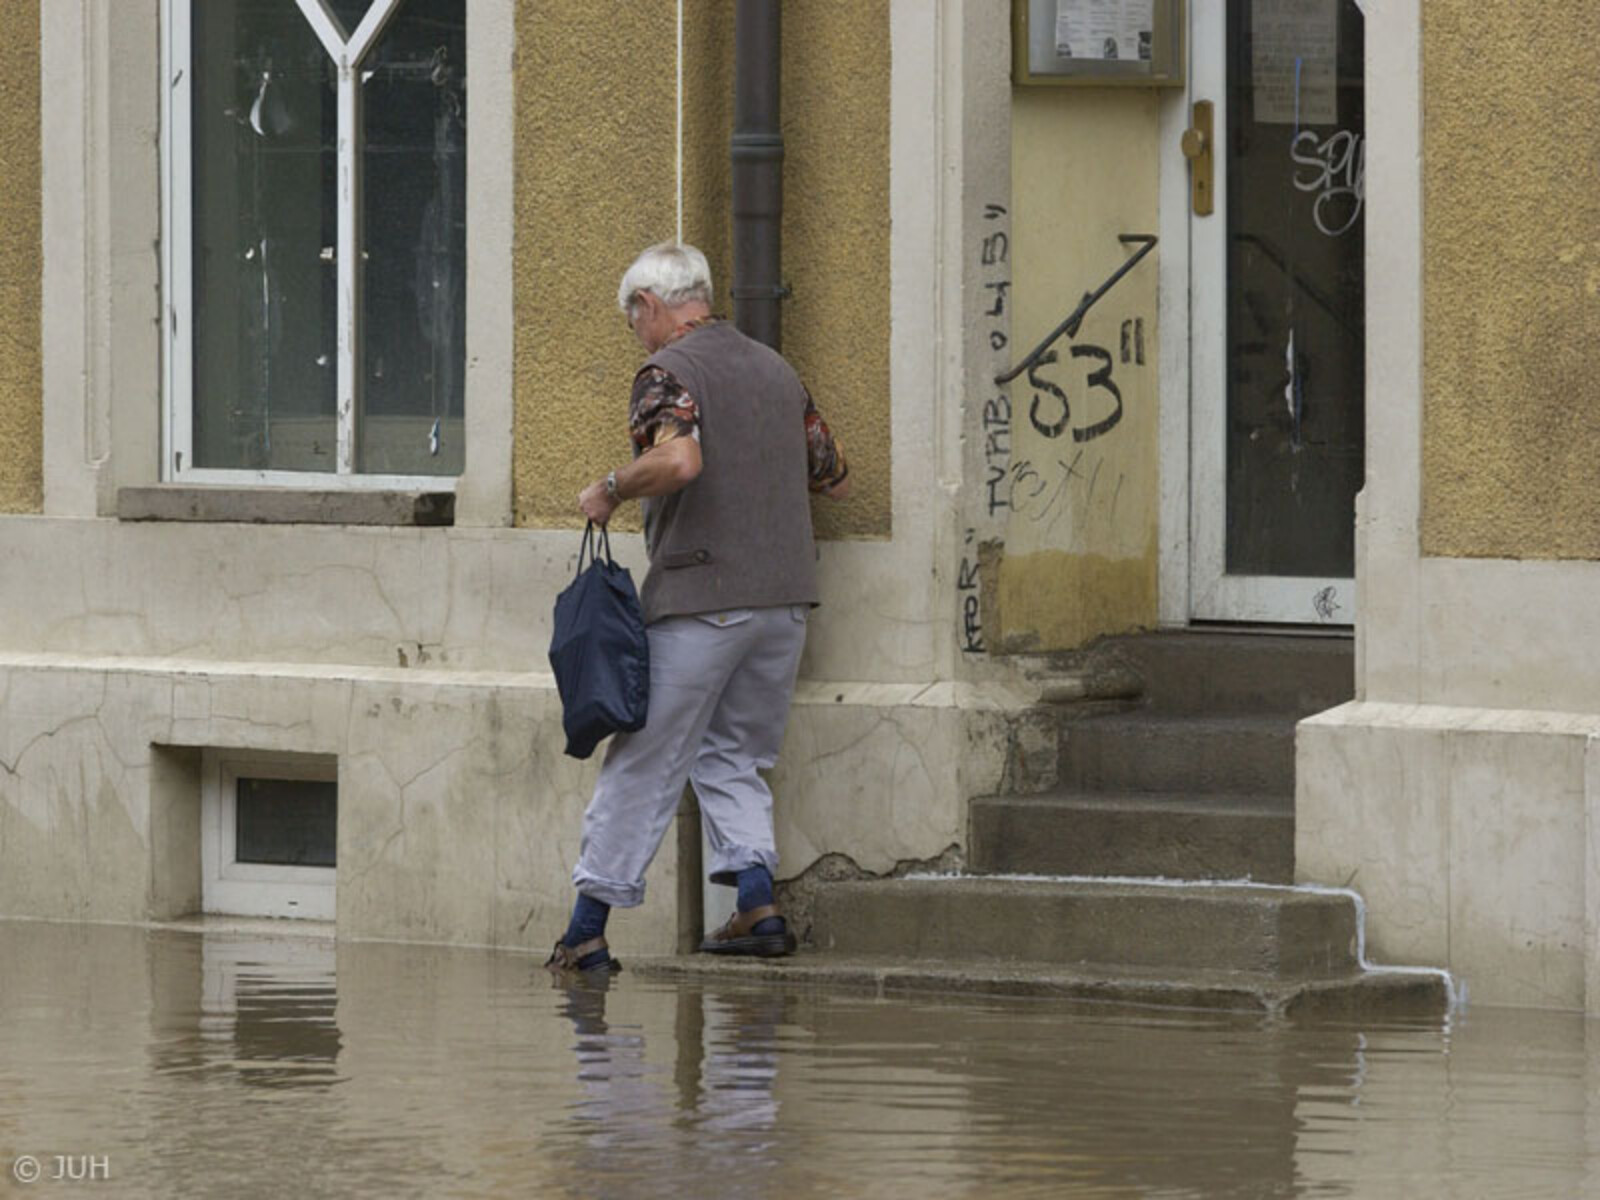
(739,536)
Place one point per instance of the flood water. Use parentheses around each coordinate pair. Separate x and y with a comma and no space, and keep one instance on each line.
(164,1064)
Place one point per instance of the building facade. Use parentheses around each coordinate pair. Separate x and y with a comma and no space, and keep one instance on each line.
(312,344)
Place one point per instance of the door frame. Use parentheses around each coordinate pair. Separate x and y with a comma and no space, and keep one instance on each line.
(1194,585)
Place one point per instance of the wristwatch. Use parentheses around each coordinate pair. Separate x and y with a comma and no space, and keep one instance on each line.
(611,485)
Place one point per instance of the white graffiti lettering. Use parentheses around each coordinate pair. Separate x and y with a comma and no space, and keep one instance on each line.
(1337,171)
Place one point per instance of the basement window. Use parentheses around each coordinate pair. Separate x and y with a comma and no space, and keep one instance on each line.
(269,834)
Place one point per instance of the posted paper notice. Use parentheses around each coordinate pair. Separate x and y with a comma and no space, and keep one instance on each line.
(1117,30)
(1295,51)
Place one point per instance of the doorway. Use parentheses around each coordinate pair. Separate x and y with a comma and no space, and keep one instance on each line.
(1276,302)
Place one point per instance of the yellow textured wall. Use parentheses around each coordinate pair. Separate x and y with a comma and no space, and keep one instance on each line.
(21,263)
(836,237)
(1080,551)
(1511,279)
(596,180)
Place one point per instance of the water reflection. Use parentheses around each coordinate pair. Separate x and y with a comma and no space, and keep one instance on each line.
(260,1009)
(711,1113)
(258,1065)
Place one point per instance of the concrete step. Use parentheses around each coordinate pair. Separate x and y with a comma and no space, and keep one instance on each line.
(1364,994)
(1138,752)
(1220,673)
(1268,931)
(1173,836)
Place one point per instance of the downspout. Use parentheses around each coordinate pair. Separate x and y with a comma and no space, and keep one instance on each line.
(757,172)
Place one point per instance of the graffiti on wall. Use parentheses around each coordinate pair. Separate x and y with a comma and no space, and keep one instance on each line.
(967,589)
(1074,403)
(993,255)
(994,264)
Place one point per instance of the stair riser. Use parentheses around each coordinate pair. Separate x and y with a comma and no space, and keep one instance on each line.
(1189,673)
(1184,931)
(1096,756)
(1205,697)
(1063,839)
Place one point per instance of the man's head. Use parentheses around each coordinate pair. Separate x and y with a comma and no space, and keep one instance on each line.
(668,284)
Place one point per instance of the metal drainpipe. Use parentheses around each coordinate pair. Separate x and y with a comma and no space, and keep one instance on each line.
(757,172)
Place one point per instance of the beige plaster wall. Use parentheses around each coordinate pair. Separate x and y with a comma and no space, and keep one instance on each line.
(1511,453)
(596,180)
(21,413)
(1081,538)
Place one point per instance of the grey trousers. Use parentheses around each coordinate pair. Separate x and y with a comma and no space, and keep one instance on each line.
(720,686)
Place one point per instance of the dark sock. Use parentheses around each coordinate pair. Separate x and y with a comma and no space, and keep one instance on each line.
(755,887)
(588,921)
(755,890)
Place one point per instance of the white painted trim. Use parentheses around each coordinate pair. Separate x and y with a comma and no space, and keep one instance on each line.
(320,480)
(370,30)
(924,446)
(483,495)
(177,94)
(1172,326)
(70,69)
(255,889)
(347,57)
(1390,636)
(325,25)
(100,310)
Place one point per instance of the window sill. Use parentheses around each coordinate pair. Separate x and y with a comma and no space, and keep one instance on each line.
(283,506)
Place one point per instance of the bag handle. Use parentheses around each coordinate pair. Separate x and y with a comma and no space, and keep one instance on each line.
(592,545)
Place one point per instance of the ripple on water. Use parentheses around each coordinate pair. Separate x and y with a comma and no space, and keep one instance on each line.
(211,1064)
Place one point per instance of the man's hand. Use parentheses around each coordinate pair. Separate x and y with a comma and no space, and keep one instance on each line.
(596,503)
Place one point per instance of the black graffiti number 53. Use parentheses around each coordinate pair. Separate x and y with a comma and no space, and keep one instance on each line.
(1047,397)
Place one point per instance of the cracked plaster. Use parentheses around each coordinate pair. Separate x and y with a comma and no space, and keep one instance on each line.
(459,815)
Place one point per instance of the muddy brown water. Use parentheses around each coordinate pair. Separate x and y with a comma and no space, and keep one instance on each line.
(139,1063)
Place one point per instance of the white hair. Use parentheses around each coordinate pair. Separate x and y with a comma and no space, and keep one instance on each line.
(674,272)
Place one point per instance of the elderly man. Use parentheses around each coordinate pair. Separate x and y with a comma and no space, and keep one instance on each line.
(727,445)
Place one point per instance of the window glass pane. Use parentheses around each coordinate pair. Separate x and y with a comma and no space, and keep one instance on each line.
(285,822)
(414,221)
(349,13)
(264,128)
(1295,152)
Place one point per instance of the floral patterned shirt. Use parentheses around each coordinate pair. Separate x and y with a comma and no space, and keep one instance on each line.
(661,409)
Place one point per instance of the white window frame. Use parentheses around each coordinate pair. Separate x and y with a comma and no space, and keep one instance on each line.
(177,242)
(257,889)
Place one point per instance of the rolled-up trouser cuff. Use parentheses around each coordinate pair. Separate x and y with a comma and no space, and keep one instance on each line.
(727,864)
(618,895)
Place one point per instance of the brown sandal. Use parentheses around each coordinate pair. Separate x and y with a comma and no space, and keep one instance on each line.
(564,958)
(735,937)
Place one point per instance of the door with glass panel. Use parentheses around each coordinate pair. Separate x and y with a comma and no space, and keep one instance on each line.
(1276,303)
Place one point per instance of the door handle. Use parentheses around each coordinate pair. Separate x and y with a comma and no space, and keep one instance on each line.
(1197,148)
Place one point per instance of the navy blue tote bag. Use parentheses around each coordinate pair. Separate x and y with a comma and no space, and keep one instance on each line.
(598,651)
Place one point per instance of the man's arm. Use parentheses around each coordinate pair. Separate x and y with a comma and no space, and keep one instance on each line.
(665,468)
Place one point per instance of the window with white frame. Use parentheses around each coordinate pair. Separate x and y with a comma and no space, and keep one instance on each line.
(268,834)
(314,225)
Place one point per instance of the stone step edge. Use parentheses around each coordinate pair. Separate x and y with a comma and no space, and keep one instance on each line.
(1456,993)
(1422,992)
(1114,883)
(1196,803)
